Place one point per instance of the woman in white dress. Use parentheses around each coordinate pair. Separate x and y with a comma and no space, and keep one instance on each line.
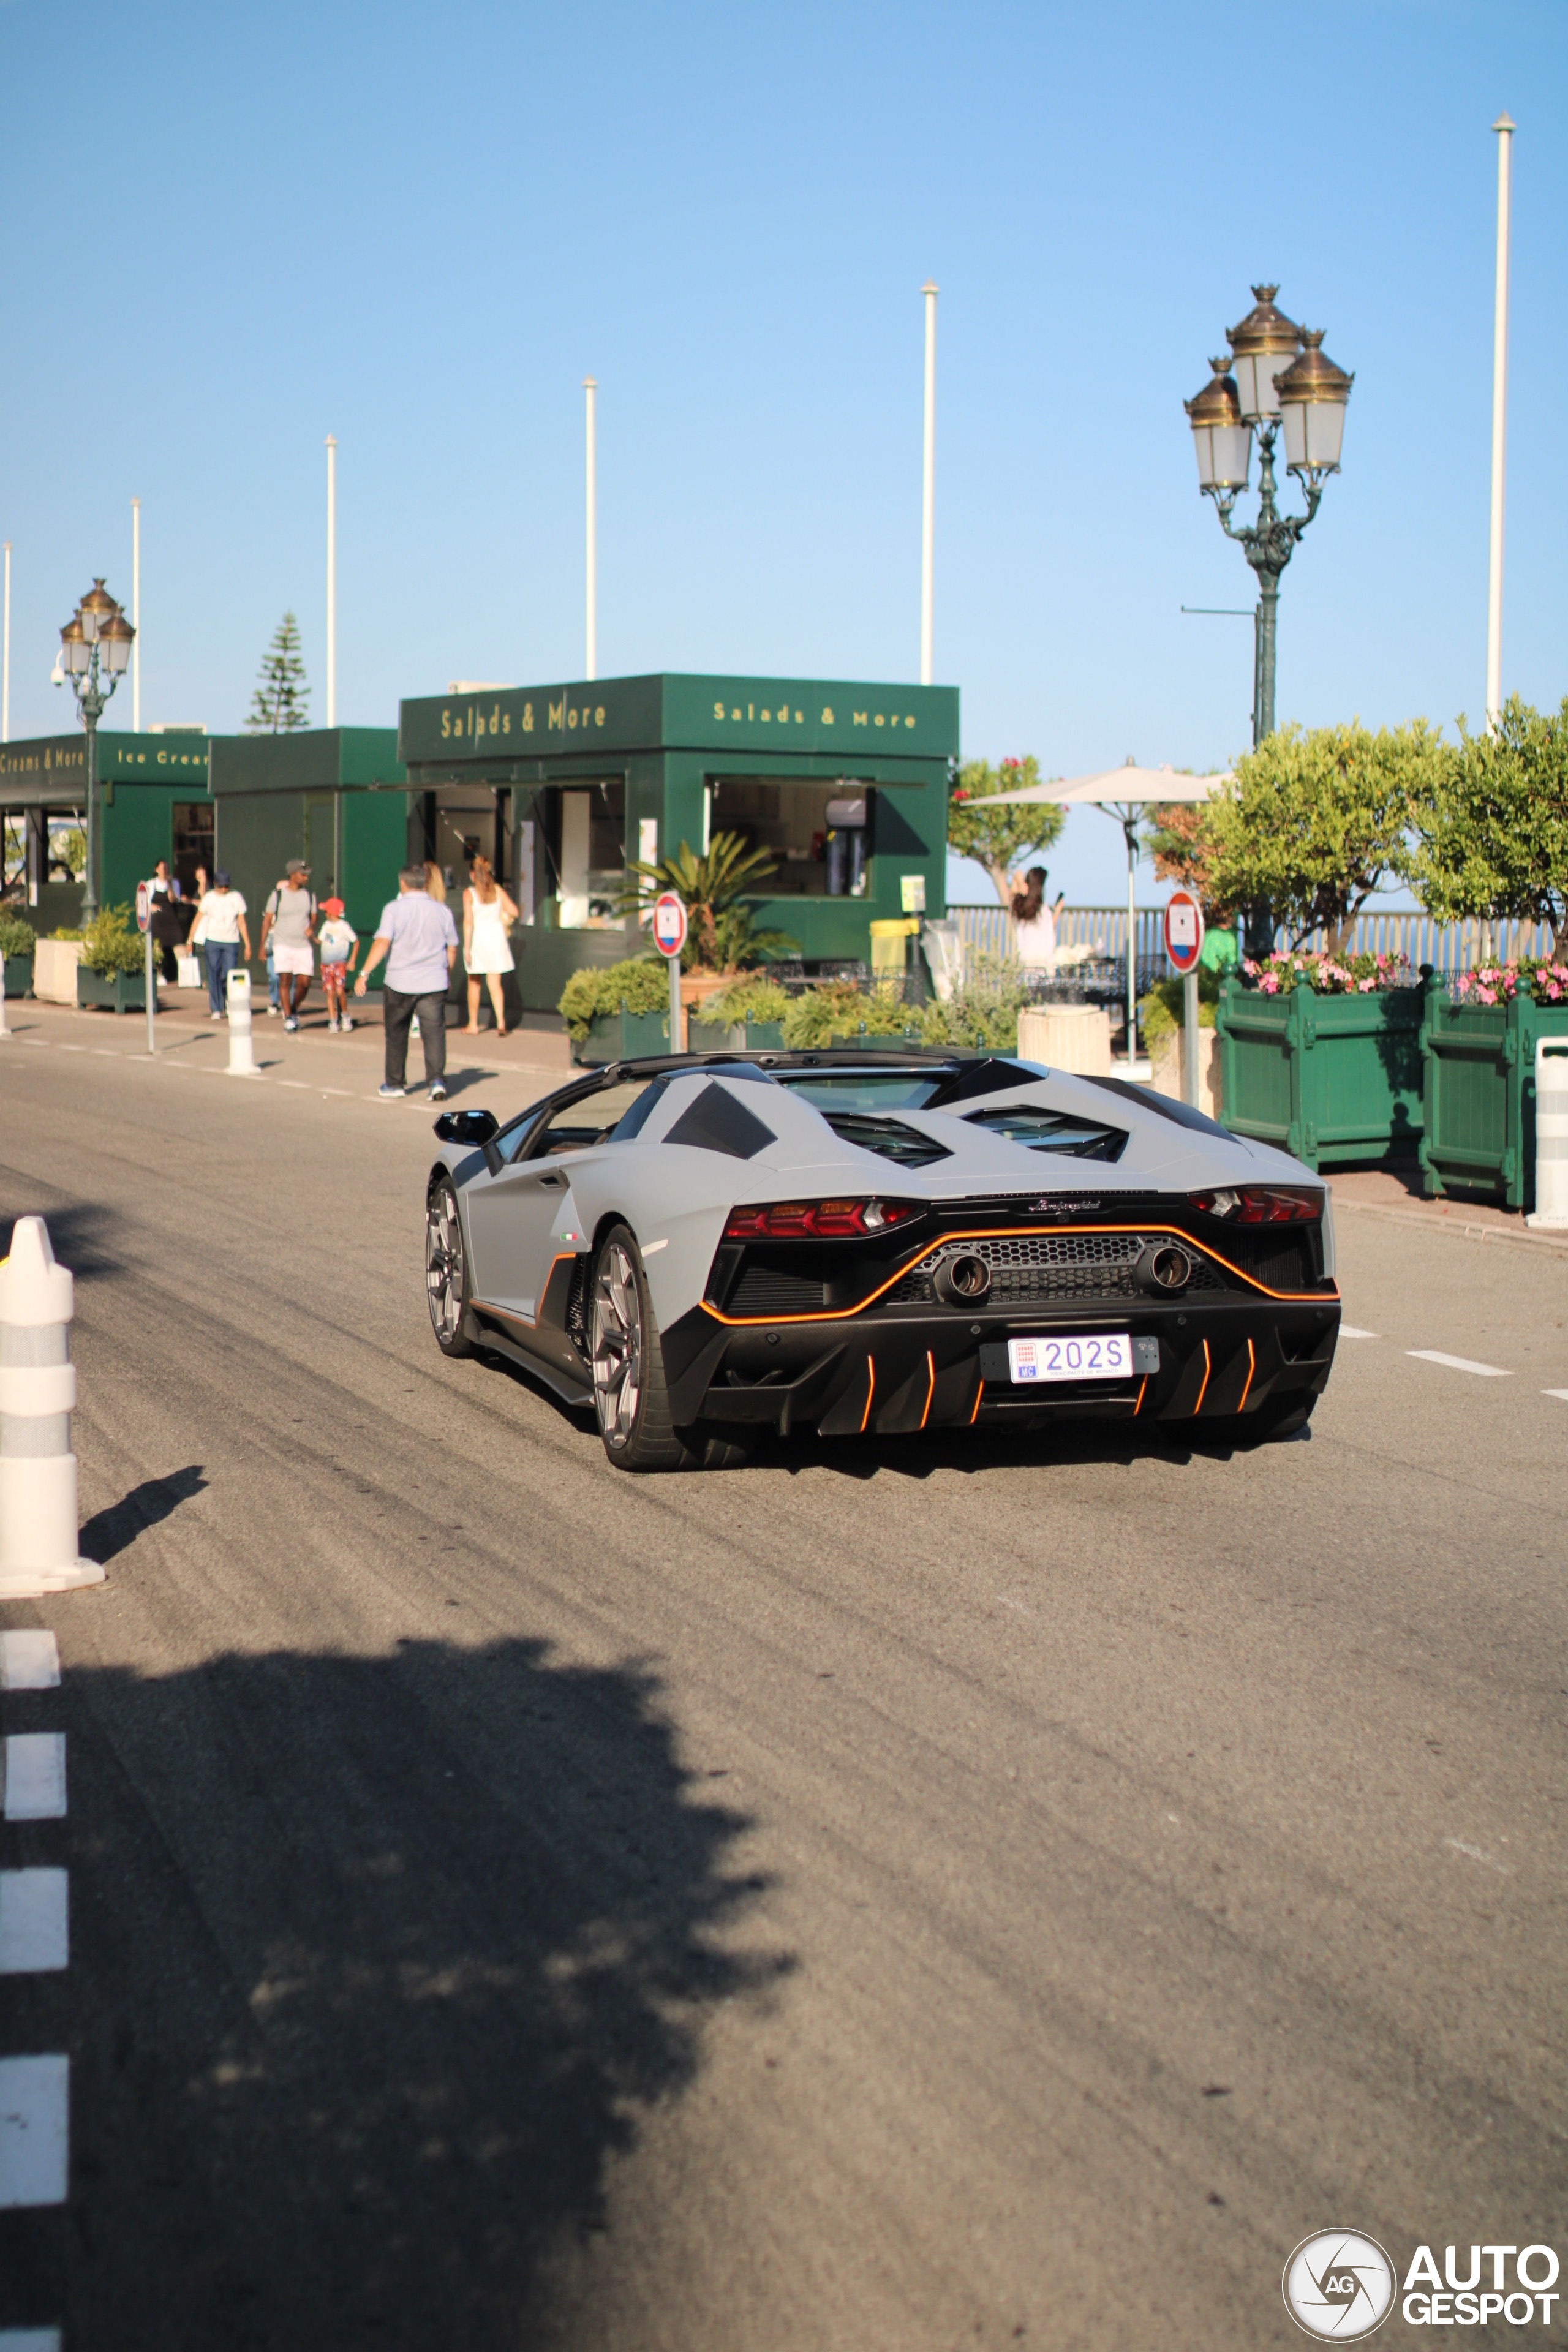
(1035,925)
(488,916)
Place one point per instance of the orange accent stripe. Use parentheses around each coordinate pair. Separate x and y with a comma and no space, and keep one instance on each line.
(510,1314)
(1141,1386)
(1202,1393)
(870,1389)
(979,1392)
(930,1386)
(1251,1371)
(1025,1232)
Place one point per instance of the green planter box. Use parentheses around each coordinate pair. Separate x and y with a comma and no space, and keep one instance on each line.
(1334,1080)
(622,1037)
(1478,1064)
(767,1036)
(18,975)
(712,1037)
(120,991)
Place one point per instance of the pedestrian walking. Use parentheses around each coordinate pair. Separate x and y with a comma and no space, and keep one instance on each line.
(488,916)
(167,920)
(220,932)
(288,920)
(419,940)
(338,943)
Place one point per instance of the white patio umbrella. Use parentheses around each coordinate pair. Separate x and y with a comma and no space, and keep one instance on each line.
(1122,793)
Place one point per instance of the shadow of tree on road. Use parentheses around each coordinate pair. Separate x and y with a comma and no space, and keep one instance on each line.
(376,1963)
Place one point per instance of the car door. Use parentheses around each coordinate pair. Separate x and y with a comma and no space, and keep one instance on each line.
(514,1217)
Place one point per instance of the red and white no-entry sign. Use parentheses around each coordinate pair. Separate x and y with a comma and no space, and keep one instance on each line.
(1184,931)
(669,923)
(143,906)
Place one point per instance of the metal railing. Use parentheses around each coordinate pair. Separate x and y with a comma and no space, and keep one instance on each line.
(1420,939)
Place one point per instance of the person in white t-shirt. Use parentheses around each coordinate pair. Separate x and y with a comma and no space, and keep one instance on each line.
(220,931)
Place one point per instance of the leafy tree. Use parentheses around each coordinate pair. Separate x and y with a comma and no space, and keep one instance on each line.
(280,704)
(999,838)
(1179,838)
(721,932)
(1493,835)
(1314,823)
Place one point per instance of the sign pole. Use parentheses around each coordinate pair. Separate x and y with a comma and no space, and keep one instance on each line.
(669,928)
(1184,946)
(145,925)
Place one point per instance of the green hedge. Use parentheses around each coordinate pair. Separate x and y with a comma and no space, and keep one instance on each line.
(109,943)
(639,985)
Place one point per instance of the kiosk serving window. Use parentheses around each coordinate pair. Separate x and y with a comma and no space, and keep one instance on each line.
(816,834)
(589,823)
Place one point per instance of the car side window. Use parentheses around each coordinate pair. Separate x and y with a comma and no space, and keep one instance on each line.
(592,1119)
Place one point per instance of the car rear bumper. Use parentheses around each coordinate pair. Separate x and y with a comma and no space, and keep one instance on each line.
(902,1371)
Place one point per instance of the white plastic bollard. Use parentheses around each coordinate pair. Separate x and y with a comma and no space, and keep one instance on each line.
(241,1052)
(1551,1133)
(38,1528)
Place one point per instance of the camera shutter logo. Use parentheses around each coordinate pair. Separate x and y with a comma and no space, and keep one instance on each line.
(1339,2285)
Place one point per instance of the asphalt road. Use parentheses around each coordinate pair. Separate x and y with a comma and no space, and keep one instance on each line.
(961,1892)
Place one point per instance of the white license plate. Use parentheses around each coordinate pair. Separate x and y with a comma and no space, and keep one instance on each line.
(1086,1355)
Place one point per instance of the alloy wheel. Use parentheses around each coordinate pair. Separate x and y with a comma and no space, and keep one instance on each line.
(618,1341)
(443,1267)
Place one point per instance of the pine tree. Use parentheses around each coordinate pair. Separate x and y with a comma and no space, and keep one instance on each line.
(281,703)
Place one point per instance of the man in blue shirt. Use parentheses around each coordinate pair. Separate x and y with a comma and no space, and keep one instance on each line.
(419,940)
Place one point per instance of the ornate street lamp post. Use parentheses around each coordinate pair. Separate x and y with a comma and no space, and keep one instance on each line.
(94,646)
(1278,376)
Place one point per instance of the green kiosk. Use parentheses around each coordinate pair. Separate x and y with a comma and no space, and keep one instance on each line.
(844,784)
(154,802)
(336,796)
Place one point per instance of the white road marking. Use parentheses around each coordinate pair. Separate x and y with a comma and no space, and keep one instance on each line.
(1350,1331)
(34,2109)
(35,1776)
(1474,1853)
(108,1053)
(72,1049)
(1556,1393)
(34,1933)
(29,1660)
(301,1083)
(1460,1364)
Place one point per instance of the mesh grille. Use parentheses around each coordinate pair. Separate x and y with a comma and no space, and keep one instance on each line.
(1055,1265)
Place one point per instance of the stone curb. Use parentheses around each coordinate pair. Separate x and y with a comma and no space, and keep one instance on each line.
(1454,1228)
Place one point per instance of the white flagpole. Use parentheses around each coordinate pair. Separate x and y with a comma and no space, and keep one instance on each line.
(332,580)
(927,488)
(1504,130)
(136,616)
(6,663)
(591,665)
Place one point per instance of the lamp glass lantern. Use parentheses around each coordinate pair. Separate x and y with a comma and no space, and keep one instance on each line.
(1222,438)
(1313,394)
(1262,347)
(116,637)
(97,608)
(75,653)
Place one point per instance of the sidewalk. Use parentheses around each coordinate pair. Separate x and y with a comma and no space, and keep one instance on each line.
(528,1047)
(1397,1192)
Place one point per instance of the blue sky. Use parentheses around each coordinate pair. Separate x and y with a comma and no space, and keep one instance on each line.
(225,233)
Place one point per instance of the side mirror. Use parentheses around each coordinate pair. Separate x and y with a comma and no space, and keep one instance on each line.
(471,1127)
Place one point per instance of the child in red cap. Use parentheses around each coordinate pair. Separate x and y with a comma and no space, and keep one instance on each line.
(338,943)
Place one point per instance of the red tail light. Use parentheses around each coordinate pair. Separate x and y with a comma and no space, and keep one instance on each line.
(1261,1204)
(780,1221)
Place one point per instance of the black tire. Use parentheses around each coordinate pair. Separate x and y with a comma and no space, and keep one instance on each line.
(447,1271)
(630,1400)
